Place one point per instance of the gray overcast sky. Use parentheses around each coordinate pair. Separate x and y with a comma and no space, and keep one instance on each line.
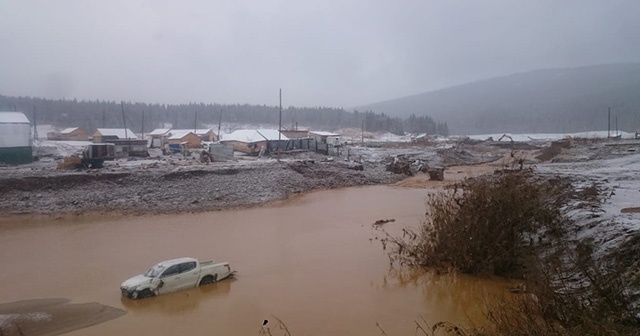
(320,52)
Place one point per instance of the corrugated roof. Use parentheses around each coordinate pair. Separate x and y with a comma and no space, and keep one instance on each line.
(199,131)
(68,130)
(175,135)
(321,133)
(117,132)
(13,118)
(159,131)
(250,136)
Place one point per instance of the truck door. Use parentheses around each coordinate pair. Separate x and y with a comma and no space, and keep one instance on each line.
(190,274)
(171,280)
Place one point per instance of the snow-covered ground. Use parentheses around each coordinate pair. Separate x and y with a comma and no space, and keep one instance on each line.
(619,179)
(551,136)
(58,149)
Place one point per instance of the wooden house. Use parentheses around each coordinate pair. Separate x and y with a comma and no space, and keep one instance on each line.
(252,141)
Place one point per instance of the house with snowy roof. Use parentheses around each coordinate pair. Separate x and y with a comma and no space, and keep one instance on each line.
(205,134)
(102,135)
(158,137)
(185,138)
(126,142)
(70,134)
(252,141)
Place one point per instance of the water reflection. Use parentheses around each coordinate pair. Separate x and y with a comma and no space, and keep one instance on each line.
(180,302)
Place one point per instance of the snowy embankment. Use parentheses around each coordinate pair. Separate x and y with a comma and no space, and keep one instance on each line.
(551,136)
(618,180)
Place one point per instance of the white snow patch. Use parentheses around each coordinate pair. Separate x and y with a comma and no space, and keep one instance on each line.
(59,148)
(551,136)
(605,225)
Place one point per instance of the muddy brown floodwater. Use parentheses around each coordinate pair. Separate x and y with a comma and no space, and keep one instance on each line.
(312,261)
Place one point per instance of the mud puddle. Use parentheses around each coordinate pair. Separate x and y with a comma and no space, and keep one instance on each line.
(311,261)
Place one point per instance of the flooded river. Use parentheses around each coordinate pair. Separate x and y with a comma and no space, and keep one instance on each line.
(311,261)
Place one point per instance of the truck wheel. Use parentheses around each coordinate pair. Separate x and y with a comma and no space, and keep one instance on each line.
(207,280)
(145,294)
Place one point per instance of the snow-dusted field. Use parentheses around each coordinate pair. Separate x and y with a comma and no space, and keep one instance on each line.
(551,136)
(619,179)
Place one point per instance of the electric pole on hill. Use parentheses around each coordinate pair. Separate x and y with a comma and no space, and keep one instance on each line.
(609,124)
(280,122)
(35,123)
(124,120)
(219,124)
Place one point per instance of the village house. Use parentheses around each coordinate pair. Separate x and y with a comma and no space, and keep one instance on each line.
(126,142)
(69,134)
(296,134)
(185,138)
(326,142)
(252,141)
(15,138)
(103,135)
(158,137)
(205,134)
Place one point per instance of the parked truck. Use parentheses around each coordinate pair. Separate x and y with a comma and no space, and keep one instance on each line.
(93,156)
(174,275)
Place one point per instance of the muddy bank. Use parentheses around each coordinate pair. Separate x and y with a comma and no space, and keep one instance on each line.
(52,316)
(181,189)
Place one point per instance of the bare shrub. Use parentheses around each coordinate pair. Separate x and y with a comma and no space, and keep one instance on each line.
(554,149)
(484,225)
(513,224)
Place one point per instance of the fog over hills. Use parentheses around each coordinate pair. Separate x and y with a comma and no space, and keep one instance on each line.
(549,101)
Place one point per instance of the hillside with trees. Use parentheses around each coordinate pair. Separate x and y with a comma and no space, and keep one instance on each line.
(142,117)
(542,101)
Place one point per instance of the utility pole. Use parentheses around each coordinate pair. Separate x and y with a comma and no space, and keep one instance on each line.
(175,118)
(616,126)
(609,124)
(104,123)
(35,123)
(195,123)
(362,134)
(280,122)
(142,131)
(219,124)
(124,120)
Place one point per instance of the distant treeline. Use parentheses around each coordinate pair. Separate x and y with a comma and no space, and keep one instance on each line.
(142,116)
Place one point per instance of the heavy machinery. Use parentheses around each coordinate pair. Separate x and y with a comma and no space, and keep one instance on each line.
(93,156)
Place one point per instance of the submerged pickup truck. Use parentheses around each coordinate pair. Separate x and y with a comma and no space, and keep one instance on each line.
(174,275)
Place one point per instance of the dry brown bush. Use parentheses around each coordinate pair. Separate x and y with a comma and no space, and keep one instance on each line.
(484,225)
(513,224)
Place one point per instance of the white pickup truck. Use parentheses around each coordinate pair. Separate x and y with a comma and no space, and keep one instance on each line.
(174,275)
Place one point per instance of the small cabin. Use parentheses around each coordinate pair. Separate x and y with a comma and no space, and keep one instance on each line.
(102,135)
(187,138)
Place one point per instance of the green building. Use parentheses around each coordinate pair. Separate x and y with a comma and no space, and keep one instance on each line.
(15,138)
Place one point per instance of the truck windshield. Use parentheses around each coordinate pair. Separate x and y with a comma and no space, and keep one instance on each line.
(154,271)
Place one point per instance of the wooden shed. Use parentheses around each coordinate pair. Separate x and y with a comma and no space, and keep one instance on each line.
(103,135)
(252,141)
(205,134)
(74,134)
(189,138)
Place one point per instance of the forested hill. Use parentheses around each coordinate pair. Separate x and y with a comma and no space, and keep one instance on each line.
(551,101)
(94,114)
